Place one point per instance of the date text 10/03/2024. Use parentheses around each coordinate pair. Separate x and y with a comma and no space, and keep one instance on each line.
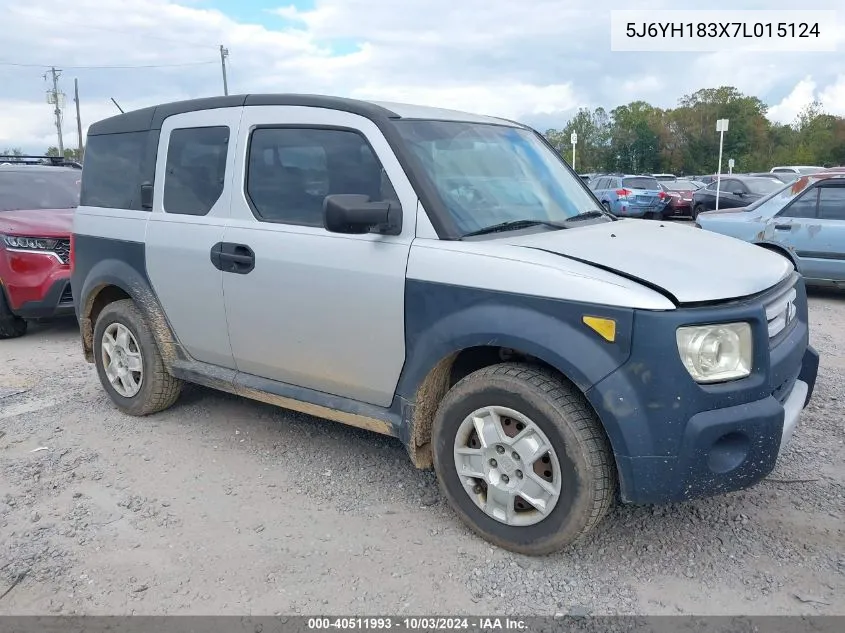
(418,623)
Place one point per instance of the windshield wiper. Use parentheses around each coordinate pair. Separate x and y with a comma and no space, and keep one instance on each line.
(586,215)
(513,225)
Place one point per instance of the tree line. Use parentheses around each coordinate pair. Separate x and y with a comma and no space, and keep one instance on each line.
(70,154)
(640,138)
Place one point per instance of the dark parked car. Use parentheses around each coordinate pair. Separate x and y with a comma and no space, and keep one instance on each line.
(734,191)
(783,176)
(680,197)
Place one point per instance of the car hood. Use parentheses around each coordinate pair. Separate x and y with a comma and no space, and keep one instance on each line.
(691,265)
(37,223)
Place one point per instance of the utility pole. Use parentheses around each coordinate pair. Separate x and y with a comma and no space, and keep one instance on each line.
(78,118)
(224,53)
(54,98)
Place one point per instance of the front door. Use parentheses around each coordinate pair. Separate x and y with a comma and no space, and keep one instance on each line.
(813,228)
(316,309)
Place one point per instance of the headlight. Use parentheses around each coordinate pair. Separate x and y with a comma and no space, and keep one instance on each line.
(715,353)
(30,243)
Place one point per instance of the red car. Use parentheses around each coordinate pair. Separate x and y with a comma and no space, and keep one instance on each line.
(37,203)
(680,197)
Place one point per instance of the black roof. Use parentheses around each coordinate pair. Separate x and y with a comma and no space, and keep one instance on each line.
(152,117)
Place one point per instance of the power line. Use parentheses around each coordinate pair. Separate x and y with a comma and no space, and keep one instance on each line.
(126,67)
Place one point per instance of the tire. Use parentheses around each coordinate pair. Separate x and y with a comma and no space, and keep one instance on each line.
(696,210)
(158,390)
(11,325)
(581,460)
(606,206)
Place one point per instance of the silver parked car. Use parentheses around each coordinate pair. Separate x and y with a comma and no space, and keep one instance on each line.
(443,278)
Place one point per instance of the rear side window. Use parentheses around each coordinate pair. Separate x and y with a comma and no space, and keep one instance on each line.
(195,169)
(640,183)
(291,171)
(832,203)
(113,167)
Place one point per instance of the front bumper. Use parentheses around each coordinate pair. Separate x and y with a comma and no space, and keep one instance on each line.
(57,302)
(675,440)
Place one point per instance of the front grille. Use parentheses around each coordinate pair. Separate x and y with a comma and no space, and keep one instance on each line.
(67,295)
(63,250)
(781,310)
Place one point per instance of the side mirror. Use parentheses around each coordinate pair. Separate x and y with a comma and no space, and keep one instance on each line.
(146,196)
(355,214)
(739,193)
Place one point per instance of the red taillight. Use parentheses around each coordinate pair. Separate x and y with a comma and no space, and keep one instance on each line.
(70,257)
(662,195)
(623,193)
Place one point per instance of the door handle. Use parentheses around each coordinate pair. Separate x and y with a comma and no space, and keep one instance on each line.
(233,258)
(783,227)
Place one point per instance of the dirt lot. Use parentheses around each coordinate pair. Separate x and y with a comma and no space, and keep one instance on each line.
(226,506)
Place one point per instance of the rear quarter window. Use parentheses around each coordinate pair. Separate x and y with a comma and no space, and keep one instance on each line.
(113,170)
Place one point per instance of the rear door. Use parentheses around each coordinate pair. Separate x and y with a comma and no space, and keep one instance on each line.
(191,199)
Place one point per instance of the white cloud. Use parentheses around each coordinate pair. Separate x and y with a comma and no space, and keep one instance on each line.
(831,97)
(536,60)
(802,95)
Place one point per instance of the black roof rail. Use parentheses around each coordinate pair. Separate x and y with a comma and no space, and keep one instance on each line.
(55,161)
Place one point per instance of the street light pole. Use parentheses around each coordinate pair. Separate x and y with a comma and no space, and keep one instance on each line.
(721,127)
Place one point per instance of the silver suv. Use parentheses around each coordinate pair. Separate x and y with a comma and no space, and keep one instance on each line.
(443,278)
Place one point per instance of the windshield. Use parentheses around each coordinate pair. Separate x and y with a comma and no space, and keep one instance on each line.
(35,188)
(763,186)
(680,185)
(781,196)
(641,183)
(486,175)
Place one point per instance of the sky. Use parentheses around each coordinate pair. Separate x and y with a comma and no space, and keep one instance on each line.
(537,61)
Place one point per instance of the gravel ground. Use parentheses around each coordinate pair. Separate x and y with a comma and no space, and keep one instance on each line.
(226,506)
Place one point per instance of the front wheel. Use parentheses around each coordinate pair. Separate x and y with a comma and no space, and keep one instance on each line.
(11,325)
(696,210)
(522,458)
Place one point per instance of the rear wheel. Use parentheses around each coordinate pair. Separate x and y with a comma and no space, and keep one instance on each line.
(522,458)
(11,325)
(606,206)
(128,361)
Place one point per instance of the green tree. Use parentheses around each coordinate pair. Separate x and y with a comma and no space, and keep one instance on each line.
(638,137)
(70,154)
